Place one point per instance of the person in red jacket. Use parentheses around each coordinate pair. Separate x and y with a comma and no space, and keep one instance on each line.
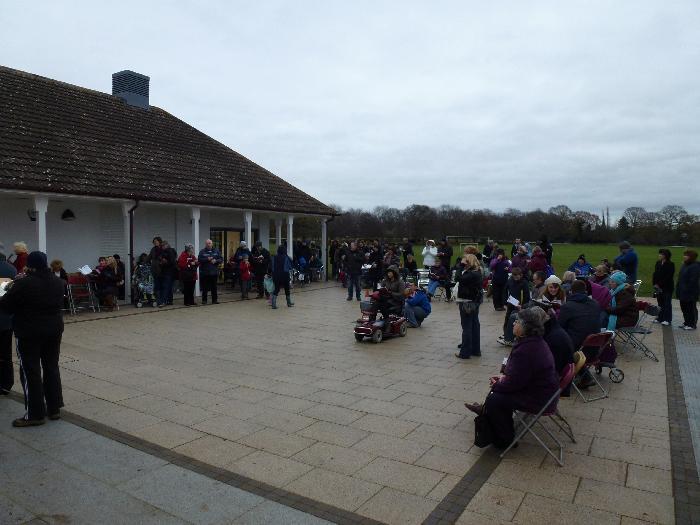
(245,276)
(187,264)
(538,262)
(21,254)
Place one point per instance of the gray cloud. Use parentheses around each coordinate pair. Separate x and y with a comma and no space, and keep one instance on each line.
(510,104)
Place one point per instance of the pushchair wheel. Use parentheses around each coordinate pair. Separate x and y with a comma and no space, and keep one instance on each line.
(598,370)
(359,337)
(377,336)
(616,375)
(139,305)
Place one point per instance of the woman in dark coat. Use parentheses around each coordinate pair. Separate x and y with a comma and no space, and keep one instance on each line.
(469,297)
(528,381)
(662,279)
(688,289)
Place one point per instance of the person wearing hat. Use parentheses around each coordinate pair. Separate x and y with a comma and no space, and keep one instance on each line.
(429,254)
(627,261)
(528,381)
(622,309)
(581,267)
(35,302)
(553,293)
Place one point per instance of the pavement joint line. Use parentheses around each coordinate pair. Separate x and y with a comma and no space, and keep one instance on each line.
(686,484)
(455,502)
(259,488)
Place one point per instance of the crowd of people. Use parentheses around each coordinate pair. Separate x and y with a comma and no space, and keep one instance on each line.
(546,317)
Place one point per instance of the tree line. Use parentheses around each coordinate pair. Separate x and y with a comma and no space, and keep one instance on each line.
(670,225)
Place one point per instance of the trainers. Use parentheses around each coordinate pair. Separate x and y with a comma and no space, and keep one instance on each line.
(349,299)
(665,323)
(501,337)
(505,342)
(686,327)
(656,321)
(681,326)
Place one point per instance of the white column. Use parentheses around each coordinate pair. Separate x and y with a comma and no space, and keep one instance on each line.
(278,232)
(41,204)
(324,247)
(290,236)
(264,231)
(195,214)
(248,220)
(126,206)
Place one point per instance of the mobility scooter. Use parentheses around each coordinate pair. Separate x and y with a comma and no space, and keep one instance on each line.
(378,327)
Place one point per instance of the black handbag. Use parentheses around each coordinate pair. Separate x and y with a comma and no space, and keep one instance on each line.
(483,433)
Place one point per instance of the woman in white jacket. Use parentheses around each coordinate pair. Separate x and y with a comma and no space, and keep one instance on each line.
(429,254)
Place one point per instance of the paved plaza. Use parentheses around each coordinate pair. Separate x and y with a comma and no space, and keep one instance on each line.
(236,413)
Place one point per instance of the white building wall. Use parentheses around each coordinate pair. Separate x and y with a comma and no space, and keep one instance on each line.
(99,228)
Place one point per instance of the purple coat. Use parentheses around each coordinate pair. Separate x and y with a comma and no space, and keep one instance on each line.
(530,374)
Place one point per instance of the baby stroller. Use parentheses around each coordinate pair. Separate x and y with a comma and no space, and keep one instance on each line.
(143,286)
(390,324)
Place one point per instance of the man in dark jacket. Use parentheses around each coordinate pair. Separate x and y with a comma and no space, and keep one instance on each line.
(627,261)
(580,315)
(7,376)
(35,301)
(209,260)
(260,259)
(353,263)
(662,280)
(168,272)
(559,343)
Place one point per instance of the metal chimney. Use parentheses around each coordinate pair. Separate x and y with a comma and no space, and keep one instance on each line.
(131,87)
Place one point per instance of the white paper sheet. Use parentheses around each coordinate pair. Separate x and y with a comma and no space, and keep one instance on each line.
(512,300)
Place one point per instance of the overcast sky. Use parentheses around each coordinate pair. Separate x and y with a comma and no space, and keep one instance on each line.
(478,104)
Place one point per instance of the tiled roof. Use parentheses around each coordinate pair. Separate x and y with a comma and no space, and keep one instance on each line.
(57,137)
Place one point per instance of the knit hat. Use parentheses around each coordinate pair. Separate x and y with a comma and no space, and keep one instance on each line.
(37,261)
(619,277)
(552,279)
(243,244)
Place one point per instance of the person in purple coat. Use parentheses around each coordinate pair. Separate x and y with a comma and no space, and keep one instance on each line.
(528,381)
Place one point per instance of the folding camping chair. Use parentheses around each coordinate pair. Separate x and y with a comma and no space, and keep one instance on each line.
(529,420)
(423,278)
(81,294)
(634,336)
(591,348)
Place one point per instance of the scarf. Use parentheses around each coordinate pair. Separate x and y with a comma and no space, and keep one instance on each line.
(621,279)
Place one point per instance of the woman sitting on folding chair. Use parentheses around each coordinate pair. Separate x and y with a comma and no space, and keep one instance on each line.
(528,381)
(622,309)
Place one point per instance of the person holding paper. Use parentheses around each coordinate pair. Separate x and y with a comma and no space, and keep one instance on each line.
(518,294)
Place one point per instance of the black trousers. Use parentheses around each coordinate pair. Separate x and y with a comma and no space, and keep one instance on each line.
(39,374)
(260,284)
(665,305)
(499,411)
(7,375)
(188,292)
(208,283)
(498,292)
(690,313)
(281,283)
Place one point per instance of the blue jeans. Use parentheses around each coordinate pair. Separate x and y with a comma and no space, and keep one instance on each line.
(432,286)
(167,290)
(471,332)
(511,315)
(414,315)
(354,280)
